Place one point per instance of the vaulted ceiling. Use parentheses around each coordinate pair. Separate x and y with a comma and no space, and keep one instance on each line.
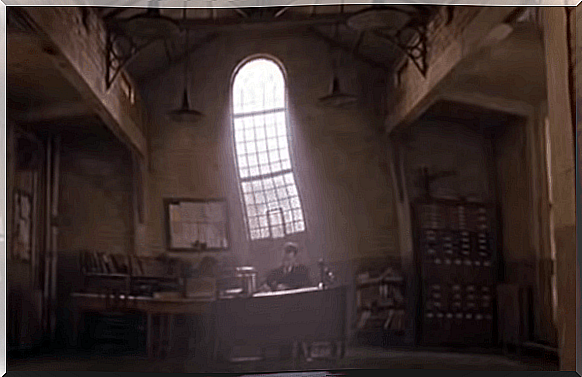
(328,23)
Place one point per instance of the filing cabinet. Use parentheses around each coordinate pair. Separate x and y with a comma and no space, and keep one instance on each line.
(455,254)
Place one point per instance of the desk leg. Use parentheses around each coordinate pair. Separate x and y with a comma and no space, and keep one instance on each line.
(338,350)
(149,335)
(207,330)
(160,342)
(170,332)
(216,348)
(76,319)
(306,351)
(295,354)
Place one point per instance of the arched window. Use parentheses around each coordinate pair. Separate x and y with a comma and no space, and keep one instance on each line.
(269,192)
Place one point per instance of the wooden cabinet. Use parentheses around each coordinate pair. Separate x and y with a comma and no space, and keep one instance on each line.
(456,259)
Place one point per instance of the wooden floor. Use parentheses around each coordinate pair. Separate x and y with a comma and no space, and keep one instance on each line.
(365,358)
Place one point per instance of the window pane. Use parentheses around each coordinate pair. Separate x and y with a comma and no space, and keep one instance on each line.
(246,187)
(241,148)
(239,136)
(295,203)
(288,217)
(265,169)
(251,210)
(284,153)
(276,219)
(281,128)
(283,142)
(292,190)
(251,147)
(258,85)
(268,183)
(263,158)
(249,134)
(282,193)
(274,156)
(289,179)
(253,172)
(261,209)
(263,221)
(244,173)
(272,144)
(300,226)
(250,199)
(253,160)
(265,233)
(262,146)
(242,162)
(255,234)
(286,205)
(273,206)
(286,165)
(260,133)
(278,231)
(253,223)
(297,215)
(271,197)
(279,181)
(289,228)
(260,197)
(277,167)
(271,132)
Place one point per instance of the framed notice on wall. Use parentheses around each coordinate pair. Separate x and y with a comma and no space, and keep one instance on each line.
(196,225)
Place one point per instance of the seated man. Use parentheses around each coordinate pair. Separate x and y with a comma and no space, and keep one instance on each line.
(290,275)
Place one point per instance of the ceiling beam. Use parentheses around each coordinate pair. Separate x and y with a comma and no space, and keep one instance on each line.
(52,113)
(143,79)
(345,47)
(253,24)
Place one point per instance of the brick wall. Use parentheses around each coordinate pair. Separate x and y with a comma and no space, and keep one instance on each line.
(341,172)
(95,198)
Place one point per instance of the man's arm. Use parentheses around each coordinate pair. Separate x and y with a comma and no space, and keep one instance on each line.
(303,276)
(272,279)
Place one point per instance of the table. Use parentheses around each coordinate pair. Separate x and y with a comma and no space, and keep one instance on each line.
(282,318)
(163,308)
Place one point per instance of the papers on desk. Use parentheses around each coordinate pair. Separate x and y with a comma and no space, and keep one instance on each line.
(286,292)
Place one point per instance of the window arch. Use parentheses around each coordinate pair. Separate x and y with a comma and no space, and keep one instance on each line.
(259,111)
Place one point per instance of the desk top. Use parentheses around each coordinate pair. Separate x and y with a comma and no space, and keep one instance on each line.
(181,300)
(287,292)
(166,305)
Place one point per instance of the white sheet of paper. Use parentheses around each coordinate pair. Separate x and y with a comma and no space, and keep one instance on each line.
(174,214)
(215,212)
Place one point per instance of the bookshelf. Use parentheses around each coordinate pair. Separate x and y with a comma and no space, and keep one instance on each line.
(381,307)
(129,275)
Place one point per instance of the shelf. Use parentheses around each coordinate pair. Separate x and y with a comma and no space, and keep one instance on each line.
(379,281)
(382,308)
(102,275)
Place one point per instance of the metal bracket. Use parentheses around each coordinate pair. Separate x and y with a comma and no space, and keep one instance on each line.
(417,51)
(114,62)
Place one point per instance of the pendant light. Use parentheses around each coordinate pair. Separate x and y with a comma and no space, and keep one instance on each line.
(336,98)
(184,114)
(151,25)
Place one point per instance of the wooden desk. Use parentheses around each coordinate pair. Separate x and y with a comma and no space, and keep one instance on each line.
(163,308)
(282,318)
